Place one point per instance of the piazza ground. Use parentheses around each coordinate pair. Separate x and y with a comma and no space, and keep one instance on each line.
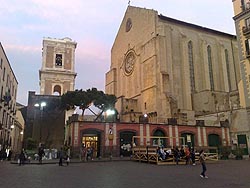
(124,174)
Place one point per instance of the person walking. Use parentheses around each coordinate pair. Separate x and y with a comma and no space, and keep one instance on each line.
(41,153)
(187,155)
(202,161)
(192,155)
(176,155)
(61,155)
(21,158)
(67,155)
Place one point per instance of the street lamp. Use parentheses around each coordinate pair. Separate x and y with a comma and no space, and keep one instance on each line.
(110,113)
(41,106)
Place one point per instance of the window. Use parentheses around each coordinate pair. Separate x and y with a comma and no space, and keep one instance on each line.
(243,4)
(247,22)
(210,67)
(191,66)
(58,60)
(228,69)
(247,46)
(3,73)
(1,63)
(1,96)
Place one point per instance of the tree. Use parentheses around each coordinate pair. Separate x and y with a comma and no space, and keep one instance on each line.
(84,99)
(31,144)
(105,102)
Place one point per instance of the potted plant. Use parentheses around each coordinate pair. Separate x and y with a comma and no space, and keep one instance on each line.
(238,152)
(225,152)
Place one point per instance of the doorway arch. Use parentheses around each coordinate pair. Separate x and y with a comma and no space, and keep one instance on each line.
(188,138)
(159,141)
(92,138)
(126,138)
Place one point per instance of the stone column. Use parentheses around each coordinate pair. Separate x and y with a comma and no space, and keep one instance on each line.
(204,136)
(170,129)
(76,130)
(177,135)
(106,134)
(199,136)
(141,135)
(147,135)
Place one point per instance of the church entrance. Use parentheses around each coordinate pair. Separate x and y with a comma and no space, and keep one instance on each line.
(93,141)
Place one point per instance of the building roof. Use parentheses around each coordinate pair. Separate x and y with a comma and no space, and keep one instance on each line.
(164,18)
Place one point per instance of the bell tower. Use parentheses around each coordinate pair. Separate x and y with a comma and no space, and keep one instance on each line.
(57,75)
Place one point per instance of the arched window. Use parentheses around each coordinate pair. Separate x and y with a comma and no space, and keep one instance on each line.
(191,66)
(228,69)
(210,67)
(57,90)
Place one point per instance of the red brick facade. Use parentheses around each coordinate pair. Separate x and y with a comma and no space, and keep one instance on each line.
(122,135)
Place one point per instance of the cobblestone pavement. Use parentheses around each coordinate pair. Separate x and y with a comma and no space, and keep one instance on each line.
(125,174)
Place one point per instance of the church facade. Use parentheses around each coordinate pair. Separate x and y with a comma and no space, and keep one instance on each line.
(172,70)
(169,72)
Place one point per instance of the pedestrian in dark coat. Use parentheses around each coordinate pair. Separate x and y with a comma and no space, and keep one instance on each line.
(41,153)
(21,158)
(192,155)
(61,155)
(177,155)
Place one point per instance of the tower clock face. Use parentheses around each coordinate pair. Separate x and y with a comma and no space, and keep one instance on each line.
(129,63)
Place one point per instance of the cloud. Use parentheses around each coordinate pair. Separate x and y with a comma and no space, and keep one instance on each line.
(93,25)
(92,49)
(22,48)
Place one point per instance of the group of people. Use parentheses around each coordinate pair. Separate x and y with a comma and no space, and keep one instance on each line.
(186,153)
(86,153)
(5,154)
(63,155)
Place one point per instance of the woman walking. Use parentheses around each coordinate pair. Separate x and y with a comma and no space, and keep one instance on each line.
(202,161)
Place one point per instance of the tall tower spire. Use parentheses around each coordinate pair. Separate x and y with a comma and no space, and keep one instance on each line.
(57,75)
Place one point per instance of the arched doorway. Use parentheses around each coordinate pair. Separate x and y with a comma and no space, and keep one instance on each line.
(126,142)
(92,138)
(188,139)
(159,141)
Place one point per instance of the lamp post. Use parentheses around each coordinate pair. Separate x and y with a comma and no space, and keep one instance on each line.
(41,107)
(110,113)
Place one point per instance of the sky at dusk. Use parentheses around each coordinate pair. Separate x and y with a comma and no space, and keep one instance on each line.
(93,25)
